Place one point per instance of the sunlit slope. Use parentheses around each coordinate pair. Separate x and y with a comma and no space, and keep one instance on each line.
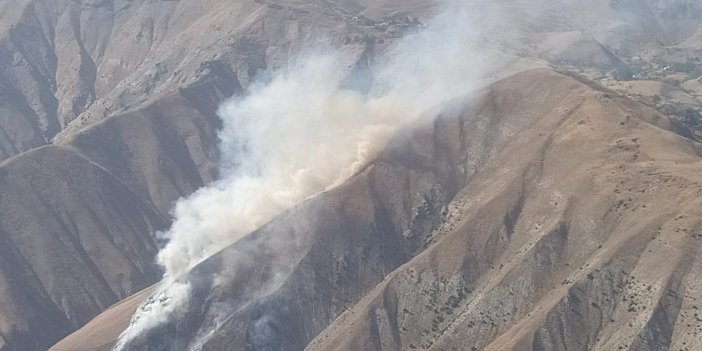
(504,224)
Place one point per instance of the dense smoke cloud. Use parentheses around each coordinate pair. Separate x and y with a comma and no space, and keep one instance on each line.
(302,133)
(286,141)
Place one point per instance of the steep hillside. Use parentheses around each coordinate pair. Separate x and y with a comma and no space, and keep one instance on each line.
(66,64)
(108,116)
(78,221)
(127,92)
(592,200)
(501,225)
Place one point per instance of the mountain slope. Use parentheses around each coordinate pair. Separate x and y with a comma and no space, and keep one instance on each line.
(131,115)
(591,202)
(116,101)
(78,220)
(66,64)
(409,254)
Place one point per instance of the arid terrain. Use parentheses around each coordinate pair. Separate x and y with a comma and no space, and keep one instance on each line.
(557,206)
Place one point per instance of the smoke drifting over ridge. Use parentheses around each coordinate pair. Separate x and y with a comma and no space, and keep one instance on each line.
(302,133)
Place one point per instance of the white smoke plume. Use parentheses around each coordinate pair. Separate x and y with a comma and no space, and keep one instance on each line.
(303,133)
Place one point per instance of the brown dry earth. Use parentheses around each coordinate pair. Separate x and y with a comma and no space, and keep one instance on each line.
(546,215)
(543,214)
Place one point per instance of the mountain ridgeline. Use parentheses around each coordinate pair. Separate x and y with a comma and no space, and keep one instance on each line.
(554,207)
